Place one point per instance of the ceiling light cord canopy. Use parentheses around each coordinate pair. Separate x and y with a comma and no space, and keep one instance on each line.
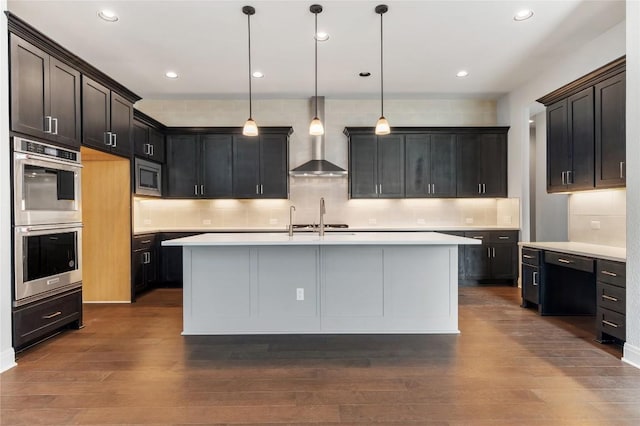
(250,127)
(382,126)
(316,128)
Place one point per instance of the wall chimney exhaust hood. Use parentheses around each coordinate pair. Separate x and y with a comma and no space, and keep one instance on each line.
(318,166)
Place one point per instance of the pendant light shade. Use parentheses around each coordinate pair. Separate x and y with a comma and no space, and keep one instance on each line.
(382,127)
(316,128)
(250,127)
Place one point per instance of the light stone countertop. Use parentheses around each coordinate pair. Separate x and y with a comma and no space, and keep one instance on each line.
(582,249)
(329,239)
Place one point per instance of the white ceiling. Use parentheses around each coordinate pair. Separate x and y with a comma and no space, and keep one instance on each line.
(426,43)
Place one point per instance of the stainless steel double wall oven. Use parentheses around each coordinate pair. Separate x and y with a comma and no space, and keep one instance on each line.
(47,219)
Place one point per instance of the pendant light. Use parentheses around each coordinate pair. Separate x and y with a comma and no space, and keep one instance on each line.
(316,128)
(250,127)
(382,126)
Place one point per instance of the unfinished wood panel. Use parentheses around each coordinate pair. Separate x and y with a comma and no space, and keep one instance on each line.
(106,215)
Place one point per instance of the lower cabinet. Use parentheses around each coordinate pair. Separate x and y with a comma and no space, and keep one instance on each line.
(171,259)
(43,318)
(611,301)
(495,261)
(531,276)
(144,264)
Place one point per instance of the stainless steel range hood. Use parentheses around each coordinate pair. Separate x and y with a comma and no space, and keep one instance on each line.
(318,166)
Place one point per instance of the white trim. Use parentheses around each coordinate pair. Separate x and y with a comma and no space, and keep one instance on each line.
(631,355)
(7,359)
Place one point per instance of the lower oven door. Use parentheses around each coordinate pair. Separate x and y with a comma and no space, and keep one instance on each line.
(48,260)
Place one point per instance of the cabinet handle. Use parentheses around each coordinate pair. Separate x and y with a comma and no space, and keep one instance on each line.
(428,188)
(376,188)
(612,299)
(503,237)
(564,180)
(107,138)
(380,189)
(145,242)
(479,188)
(53,315)
(621,170)
(535,278)
(489,252)
(47,127)
(55,123)
(611,274)
(493,249)
(195,189)
(146,149)
(564,261)
(152,149)
(257,189)
(610,324)
(261,189)
(526,256)
(478,237)
(201,189)
(569,177)
(115,140)
(484,188)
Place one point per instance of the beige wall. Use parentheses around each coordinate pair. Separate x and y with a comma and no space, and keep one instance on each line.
(603,209)
(305,192)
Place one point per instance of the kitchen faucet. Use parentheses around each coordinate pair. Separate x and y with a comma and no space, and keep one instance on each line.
(323,210)
(291,209)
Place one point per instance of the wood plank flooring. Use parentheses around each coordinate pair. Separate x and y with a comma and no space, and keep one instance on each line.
(130,365)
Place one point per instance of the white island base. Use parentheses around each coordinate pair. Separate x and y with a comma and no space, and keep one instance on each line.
(341,283)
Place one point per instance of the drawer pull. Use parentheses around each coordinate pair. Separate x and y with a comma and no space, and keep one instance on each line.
(561,260)
(502,237)
(610,324)
(613,299)
(478,238)
(53,315)
(611,274)
(526,256)
(145,242)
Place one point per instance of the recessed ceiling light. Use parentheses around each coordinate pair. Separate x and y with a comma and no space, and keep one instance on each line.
(530,121)
(322,36)
(523,15)
(171,74)
(462,73)
(257,74)
(108,15)
(365,74)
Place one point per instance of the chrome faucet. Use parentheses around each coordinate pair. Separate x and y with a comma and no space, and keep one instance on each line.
(291,210)
(323,210)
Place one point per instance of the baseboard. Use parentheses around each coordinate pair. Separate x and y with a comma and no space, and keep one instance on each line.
(7,359)
(631,355)
(86,302)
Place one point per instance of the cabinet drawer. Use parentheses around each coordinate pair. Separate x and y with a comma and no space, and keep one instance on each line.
(611,323)
(503,236)
(611,297)
(611,272)
(143,242)
(569,261)
(40,318)
(530,256)
(484,236)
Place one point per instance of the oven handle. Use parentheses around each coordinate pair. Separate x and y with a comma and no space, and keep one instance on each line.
(46,228)
(22,156)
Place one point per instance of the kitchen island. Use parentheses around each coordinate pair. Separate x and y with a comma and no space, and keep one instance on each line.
(362,282)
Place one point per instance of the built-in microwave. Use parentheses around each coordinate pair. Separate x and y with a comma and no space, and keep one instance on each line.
(47,184)
(148,178)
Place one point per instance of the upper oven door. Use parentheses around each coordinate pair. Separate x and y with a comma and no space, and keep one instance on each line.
(148,178)
(46,190)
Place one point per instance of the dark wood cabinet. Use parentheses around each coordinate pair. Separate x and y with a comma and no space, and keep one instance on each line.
(496,260)
(107,119)
(430,165)
(45,95)
(611,301)
(246,166)
(144,263)
(40,319)
(481,165)
(260,166)
(183,163)
(147,142)
(531,276)
(216,170)
(376,166)
(610,136)
(171,259)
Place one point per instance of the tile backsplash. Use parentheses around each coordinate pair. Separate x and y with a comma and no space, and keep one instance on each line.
(598,217)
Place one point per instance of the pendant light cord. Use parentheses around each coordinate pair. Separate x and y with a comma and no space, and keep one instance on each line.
(249,31)
(315,37)
(381,70)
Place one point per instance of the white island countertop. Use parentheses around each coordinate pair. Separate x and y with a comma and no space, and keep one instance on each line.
(617,254)
(313,239)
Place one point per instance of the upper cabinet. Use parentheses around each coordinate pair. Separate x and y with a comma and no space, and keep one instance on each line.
(428,162)
(45,95)
(107,119)
(586,131)
(260,166)
(148,138)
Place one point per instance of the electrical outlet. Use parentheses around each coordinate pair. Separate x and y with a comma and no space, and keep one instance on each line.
(421,222)
(468,220)
(206,221)
(273,221)
(373,221)
(299,293)
(595,224)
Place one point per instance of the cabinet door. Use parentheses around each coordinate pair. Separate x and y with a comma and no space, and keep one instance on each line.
(156,140)
(530,284)
(246,167)
(468,165)
(391,166)
(96,114)
(121,124)
(151,268)
(140,139)
(504,261)
(417,165)
(29,88)
(363,166)
(557,146)
(138,282)
(182,166)
(217,155)
(442,160)
(274,166)
(477,262)
(581,121)
(64,102)
(493,163)
(610,132)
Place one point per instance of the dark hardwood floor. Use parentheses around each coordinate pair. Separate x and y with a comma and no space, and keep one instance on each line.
(509,366)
